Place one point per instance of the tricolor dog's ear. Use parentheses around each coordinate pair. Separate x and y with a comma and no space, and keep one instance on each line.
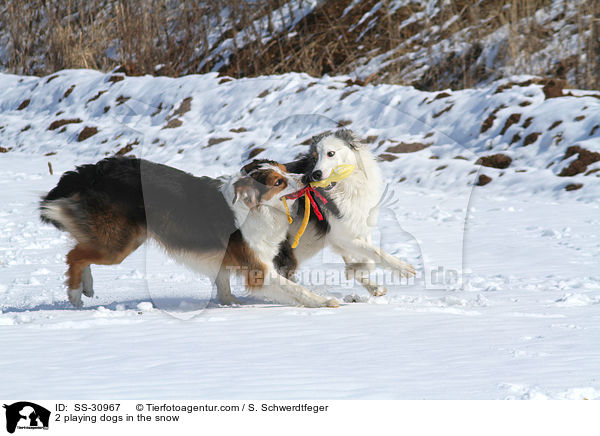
(253,166)
(245,189)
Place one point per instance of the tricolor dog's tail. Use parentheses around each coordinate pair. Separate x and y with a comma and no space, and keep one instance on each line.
(60,206)
(56,212)
(85,198)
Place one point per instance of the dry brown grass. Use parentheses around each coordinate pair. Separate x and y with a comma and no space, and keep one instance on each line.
(173,38)
(525,38)
(47,36)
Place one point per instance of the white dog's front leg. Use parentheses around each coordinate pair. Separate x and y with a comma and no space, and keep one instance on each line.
(358,248)
(279,289)
(359,271)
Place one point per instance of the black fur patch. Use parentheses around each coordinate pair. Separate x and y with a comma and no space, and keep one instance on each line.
(187,211)
(285,262)
(330,208)
(305,165)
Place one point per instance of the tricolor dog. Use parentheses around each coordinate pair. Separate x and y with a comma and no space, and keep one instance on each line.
(213,226)
(351,212)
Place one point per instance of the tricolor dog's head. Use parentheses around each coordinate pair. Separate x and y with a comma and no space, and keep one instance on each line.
(265,181)
(330,150)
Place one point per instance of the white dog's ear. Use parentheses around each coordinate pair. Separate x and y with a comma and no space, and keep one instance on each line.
(245,189)
(350,138)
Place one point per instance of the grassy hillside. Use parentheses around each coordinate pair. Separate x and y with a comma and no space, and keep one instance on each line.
(432,44)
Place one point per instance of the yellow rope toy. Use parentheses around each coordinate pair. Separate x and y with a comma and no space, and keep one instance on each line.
(337,174)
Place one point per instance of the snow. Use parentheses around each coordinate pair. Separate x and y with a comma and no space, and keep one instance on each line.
(505,305)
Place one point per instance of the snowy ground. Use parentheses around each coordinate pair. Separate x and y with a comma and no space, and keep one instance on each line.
(524,323)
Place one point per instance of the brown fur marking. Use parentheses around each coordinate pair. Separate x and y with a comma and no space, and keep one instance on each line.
(239,254)
(77,259)
(114,234)
(262,180)
(270,181)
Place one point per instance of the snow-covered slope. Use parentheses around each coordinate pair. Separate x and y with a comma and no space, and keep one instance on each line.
(206,120)
(523,324)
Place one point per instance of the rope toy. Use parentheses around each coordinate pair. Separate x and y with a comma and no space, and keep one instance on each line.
(337,174)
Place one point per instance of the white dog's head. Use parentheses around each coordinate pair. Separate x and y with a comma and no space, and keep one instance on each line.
(333,149)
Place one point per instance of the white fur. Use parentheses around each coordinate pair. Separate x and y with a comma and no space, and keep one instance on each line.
(266,218)
(54,211)
(358,195)
(357,199)
(263,228)
(87,282)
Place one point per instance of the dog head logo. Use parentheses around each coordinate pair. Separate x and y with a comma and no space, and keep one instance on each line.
(26,415)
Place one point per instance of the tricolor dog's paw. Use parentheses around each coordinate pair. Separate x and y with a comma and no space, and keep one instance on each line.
(229,300)
(87,282)
(75,297)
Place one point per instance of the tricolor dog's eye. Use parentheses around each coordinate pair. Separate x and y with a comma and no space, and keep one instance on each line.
(278,182)
(330,153)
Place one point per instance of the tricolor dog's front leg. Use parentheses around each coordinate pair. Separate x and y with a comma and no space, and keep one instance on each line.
(223,284)
(361,248)
(278,288)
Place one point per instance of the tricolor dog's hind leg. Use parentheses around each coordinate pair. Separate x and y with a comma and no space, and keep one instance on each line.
(79,276)
(79,259)
(104,237)
(87,282)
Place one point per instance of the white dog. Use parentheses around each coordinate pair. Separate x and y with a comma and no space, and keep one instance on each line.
(351,212)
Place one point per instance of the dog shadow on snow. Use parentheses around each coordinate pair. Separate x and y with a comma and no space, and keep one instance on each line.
(171,305)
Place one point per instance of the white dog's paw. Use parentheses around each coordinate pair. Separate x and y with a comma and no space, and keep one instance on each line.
(87,282)
(405,268)
(332,302)
(408,271)
(377,291)
(75,297)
